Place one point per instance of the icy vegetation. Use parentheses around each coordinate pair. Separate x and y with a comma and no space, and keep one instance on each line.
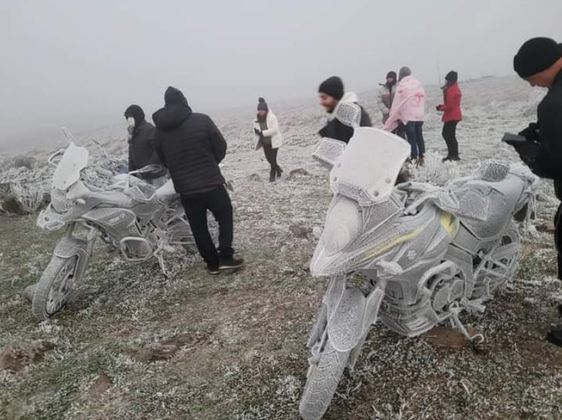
(134,344)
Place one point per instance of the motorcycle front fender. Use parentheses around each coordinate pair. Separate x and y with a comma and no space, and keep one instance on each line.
(69,247)
(353,317)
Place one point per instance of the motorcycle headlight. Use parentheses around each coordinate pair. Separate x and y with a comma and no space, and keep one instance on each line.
(343,225)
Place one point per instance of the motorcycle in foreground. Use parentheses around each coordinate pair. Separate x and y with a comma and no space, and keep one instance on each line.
(425,254)
(130,215)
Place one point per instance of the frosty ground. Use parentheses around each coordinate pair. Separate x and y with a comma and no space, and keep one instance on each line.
(136,345)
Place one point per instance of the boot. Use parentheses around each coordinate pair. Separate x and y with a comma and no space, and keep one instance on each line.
(272,174)
(279,171)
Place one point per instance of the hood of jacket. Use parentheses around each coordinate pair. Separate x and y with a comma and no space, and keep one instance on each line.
(176,110)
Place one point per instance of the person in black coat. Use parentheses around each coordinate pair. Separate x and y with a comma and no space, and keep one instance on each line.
(331,92)
(141,144)
(539,61)
(191,146)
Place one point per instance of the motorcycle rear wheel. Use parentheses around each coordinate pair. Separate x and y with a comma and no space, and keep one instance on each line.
(53,290)
(322,381)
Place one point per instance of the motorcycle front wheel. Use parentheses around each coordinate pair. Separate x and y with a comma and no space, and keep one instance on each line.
(322,381)
(54,288)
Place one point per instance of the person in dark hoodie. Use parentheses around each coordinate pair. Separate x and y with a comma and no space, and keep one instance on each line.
(539,62)
(331,92)
(191,146)
(452,114)
(141,147)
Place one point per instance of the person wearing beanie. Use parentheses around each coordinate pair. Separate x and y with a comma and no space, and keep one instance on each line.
(270,139)
(452,114)
(191,146)
(408,109)
(386,94)
(332,94)
(539,62)
(141,147)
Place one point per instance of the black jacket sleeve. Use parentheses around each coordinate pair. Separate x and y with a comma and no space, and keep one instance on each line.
(132,165)
(548,163)
(218,143)
(157,144)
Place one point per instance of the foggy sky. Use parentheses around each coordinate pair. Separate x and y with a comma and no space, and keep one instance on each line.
(81,63)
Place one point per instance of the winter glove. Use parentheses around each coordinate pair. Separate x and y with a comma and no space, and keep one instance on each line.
(531,133)
(439,107)
(258,132)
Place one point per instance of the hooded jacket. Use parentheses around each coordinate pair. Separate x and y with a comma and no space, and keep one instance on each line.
(337,130)
(408,105)
(189,144)
(141,150)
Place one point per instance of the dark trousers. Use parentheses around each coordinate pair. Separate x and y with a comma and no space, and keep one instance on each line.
(450,136)
(271,157)
(414,135)
(558,226)
(218,203)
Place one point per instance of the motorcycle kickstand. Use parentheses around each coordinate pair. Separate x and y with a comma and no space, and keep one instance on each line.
(476,340)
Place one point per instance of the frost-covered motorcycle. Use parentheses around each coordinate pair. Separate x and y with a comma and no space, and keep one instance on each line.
(423,254)
(130,215)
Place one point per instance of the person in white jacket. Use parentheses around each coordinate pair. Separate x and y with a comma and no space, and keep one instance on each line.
(266,128)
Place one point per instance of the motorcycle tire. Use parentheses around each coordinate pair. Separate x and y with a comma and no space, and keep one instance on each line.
(322,381)
(53,290)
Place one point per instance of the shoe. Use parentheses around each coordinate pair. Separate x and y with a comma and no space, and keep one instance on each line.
(279,171)
(230,263)
(455,158)
(213,270)
(420,161)
(445,159)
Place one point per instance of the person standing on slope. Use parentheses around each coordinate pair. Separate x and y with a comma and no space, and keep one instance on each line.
(141,145)
(191,146)
(539,62)
(332,95)
(452,114)
(270,139)
(408,108)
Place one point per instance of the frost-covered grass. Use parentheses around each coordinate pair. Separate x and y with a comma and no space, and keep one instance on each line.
(239,341)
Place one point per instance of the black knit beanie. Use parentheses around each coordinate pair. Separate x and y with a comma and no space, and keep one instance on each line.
(536,55)
(452,77)
(333,87)
(262,105)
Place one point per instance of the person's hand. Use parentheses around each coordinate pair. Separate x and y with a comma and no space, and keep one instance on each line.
(258,132)
(531,133)
(439,107)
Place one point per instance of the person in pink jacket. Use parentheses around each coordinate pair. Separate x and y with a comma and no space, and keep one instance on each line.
(408,108)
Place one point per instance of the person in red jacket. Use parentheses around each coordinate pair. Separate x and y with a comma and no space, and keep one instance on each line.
(452,114)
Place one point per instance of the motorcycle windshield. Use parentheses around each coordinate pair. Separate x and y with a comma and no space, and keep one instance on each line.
(369,166)
(68,170)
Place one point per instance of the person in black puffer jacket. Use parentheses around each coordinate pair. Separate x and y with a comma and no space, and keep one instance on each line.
(141,145)
(191,146)
(539,62)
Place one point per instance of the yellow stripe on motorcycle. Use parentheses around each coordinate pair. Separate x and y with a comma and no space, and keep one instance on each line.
(450,223)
